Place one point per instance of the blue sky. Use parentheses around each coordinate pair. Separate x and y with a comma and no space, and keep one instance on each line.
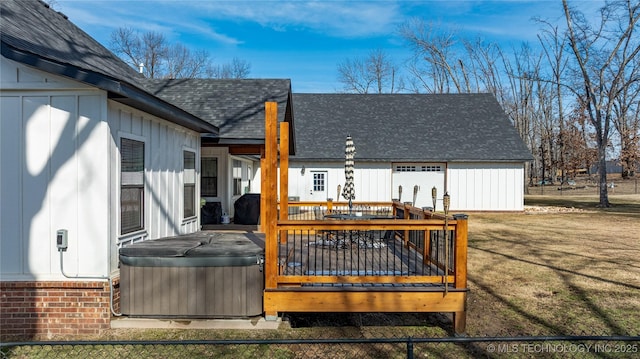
(305,40)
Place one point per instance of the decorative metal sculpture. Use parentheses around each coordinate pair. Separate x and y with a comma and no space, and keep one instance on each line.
(434,194)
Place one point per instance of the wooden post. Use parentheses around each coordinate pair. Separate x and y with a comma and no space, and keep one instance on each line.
(329,205)
(270,194)
(461,253)
(461,242)
(284,176)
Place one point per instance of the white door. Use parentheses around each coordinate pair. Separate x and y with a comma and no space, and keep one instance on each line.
(318,186)
(421,178)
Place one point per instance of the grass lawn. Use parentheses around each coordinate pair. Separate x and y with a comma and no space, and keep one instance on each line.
(556,272)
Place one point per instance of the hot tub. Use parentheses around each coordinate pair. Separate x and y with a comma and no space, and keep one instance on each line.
(200,275)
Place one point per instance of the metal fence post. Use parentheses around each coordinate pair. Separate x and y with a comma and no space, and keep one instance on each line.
(409,348)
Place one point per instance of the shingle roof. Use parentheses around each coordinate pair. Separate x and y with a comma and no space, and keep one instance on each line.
(406,127)
(236,106)
(34,34)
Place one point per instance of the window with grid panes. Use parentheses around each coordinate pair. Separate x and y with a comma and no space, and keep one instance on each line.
(318,182)
(131,185)
(209,177)
(189,176)
(237,177)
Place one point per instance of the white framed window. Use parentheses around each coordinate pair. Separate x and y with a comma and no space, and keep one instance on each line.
(318,181)
(131,185)
(237,177)
(189,183)
(209,176)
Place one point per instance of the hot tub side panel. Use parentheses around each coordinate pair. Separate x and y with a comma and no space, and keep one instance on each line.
(203,292)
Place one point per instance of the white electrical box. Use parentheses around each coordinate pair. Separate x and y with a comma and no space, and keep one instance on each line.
(61,239)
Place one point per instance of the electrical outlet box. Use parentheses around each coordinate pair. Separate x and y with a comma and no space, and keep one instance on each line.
(61,239)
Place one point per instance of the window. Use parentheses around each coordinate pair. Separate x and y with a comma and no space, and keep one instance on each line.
(209,177)
(189,184)
(131,185)
(237,177)
(422,168)
(318,182)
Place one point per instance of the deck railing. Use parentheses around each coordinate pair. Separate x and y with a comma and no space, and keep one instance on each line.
(371,244)
(310,210)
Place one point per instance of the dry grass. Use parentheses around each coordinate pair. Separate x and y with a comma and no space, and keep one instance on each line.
(556,272)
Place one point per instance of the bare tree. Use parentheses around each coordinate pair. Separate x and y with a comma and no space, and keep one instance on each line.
(435,62)
(604,54)
(155,57)
(374,74)
(627,124)
(183,63)
(236,69)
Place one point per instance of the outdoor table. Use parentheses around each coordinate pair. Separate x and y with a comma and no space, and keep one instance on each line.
(356,217)
(355,237)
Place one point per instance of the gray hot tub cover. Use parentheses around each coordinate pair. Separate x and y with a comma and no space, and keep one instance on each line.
(194,250)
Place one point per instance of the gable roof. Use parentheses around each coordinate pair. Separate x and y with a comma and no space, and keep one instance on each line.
(406,127)
(236,106)
(34,34)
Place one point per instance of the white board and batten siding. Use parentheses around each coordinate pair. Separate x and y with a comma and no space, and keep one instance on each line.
(320,180)
(486,186)
(54,175)
(164,144)
(60,170)
(471,186)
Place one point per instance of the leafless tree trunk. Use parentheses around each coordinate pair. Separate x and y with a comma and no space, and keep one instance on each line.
(374,74)
(603,56)
(437,64)
(236,69)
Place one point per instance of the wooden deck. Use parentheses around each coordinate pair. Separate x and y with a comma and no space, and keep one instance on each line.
(415,261)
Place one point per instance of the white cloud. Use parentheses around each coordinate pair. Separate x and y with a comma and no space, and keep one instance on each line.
(336,18)
(167,17)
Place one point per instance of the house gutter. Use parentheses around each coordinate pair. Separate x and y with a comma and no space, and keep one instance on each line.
(119,91)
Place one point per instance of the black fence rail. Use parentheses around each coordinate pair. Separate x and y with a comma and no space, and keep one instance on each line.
(408,347)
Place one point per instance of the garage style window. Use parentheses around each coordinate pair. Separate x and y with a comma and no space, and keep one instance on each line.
(131,185)
(189,176)
(419,168)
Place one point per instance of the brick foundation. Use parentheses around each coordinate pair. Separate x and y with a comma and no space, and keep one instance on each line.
(43,310)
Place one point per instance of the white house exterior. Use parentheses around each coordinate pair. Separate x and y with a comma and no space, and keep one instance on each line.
(462,144)
(86,149)
(61,170)
(472,186)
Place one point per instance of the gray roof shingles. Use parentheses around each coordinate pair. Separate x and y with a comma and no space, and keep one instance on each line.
(32,26)
(236,106)
(406,127)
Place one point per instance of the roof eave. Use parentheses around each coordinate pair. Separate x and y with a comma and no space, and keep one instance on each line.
(118,90)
